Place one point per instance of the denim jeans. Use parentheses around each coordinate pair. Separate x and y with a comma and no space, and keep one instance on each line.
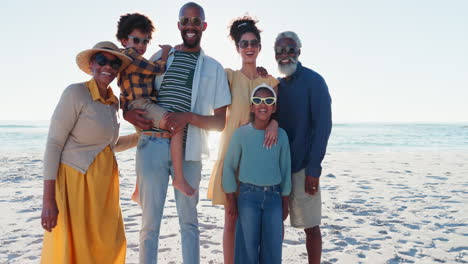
(259,228)
(153,167)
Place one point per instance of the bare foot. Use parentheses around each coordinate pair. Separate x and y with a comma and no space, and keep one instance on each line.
(136,196)
(183,187)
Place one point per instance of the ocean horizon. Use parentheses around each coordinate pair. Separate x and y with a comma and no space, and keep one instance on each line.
(30,136)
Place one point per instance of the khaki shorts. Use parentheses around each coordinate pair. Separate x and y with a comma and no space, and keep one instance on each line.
(154,111)
(305,210)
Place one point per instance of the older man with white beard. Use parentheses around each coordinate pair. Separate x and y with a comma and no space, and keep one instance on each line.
(304,111)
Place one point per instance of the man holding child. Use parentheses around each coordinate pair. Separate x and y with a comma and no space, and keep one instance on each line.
(194,89)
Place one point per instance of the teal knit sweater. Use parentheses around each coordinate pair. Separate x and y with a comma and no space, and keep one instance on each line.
(256,164)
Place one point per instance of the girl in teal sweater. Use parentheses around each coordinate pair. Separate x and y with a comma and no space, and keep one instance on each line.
(264,177)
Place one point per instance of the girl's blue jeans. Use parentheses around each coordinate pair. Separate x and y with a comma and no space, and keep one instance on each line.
(259,228)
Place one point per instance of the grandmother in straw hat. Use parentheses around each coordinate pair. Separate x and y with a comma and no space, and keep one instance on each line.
(81,211)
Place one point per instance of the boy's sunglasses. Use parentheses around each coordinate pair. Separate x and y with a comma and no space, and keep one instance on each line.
(195,21)
(291,50)
(137,40)
(243,44)
(266,100)
(102,61)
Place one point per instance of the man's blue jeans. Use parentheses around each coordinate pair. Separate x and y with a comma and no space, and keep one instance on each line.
(259,228)
(153,167)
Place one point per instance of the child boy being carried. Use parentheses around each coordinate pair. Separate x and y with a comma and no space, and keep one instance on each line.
(137,92)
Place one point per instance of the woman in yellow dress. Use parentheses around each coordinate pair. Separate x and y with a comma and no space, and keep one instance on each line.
(81,209)
(246,37)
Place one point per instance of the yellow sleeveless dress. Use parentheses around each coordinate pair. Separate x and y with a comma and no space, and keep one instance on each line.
(238,114)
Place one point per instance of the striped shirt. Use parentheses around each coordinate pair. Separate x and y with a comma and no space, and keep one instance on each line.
(175,94)
(210,91)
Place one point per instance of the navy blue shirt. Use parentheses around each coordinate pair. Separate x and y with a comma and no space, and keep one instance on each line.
(304,111)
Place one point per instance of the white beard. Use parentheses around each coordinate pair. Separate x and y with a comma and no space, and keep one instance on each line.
(288,69)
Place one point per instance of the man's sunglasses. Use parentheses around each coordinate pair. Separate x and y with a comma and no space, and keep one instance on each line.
(266,100)
(137,40)
(102,61)
(288,50)
(243,44)
(195,21)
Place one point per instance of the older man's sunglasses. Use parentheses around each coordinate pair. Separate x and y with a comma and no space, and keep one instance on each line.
(243,44)
(290,49)
(266,100)
(102,61)
(137,40)
(195,21)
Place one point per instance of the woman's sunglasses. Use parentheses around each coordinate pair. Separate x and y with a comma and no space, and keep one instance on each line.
(288,49)
(266,100)
(137,40)
(195,21)
(102,61)
(243,44)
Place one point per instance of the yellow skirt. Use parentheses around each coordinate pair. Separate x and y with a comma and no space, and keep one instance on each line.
(215,187)
(89,227)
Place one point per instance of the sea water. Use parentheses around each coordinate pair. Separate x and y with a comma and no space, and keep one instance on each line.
(30,136)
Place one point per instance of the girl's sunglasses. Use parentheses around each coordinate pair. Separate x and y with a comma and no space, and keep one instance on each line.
(243,44)
(291,50)
(195,21)
(102,61)
(266,100)
(137,40)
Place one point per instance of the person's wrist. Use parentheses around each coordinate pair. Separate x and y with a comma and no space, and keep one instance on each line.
(189,117)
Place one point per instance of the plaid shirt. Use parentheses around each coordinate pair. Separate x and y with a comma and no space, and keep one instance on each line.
(136,81)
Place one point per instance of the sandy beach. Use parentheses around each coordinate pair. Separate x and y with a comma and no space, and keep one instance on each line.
(394,185)
(381,207)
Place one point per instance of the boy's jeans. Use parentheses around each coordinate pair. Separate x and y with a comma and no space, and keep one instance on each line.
(259,229)
(153,167)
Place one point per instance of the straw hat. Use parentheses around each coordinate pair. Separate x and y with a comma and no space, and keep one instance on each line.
(263,85)
(82,59)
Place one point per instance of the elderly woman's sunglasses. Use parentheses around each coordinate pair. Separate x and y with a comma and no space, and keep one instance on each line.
(266,100)
(102,61)
(195,21)
(243,44)
(137,40)
(291,50)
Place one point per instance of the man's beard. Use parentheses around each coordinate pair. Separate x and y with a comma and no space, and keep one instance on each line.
(288,69)
(193,44)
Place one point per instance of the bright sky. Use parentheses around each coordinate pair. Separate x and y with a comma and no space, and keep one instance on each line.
(384,61)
